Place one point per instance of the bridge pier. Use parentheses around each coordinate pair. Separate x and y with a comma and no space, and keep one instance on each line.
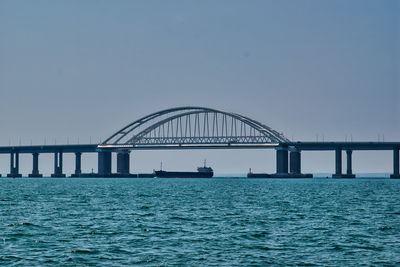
(295,162)
(58,165)
(396,173)
(282,165)
(349,172)
(338,164)
(295,165)
(78,161)
(282,161)
(35,167)
(104,163)
(123,163)
(14,165)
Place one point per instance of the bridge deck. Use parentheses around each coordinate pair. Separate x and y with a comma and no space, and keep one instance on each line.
(49,148)
(305,146)
(321,146)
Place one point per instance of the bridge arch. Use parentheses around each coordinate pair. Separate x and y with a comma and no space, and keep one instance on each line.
(194,126)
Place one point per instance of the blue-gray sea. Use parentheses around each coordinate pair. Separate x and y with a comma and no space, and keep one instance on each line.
(199,222)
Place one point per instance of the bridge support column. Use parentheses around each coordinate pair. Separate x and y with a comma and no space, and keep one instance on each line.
(396,173)
(58,165)
(282,164)
(35,167)
(282,161)
(104,164)
(78,160)
(14,165)
(338,164)
(349,173)
(295,165)
(295,162)
(123,163)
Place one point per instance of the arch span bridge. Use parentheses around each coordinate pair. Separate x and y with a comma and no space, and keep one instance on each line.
(193,127)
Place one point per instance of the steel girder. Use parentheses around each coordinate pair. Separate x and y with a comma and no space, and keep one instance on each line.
(170,126)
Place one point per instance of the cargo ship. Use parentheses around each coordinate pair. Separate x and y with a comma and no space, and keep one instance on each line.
(202,172)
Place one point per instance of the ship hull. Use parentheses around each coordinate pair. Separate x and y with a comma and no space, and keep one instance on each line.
(166,174)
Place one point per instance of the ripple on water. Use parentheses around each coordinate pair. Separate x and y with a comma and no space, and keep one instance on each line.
(22,224)
(84,251)
(199,222)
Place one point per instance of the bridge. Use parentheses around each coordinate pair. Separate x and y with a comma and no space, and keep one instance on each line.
(195,128)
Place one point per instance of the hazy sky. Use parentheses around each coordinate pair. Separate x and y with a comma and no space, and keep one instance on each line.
(87,68)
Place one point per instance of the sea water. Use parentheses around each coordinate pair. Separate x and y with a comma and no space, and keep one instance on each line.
(197,222)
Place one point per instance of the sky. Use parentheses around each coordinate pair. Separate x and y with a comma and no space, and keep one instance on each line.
(81,70)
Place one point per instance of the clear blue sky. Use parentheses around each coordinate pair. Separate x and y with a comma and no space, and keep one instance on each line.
(86,68)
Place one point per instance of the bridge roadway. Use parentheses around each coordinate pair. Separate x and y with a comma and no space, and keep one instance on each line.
(283,151)
(84,148)
(324,146)
(304,146)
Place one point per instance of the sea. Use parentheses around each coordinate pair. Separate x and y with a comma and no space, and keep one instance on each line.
(223,221)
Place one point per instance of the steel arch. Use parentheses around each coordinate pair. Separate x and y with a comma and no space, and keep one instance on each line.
(151,129)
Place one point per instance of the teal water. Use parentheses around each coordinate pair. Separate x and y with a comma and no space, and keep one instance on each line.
(197,222)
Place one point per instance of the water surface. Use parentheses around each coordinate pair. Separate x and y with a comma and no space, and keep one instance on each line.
(48,221)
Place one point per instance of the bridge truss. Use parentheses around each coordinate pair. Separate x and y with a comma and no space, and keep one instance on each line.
(193,127)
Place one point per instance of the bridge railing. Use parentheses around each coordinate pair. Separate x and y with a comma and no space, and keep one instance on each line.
(202,140)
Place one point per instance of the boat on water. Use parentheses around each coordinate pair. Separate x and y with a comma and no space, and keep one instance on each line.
(202,172)
(257,175)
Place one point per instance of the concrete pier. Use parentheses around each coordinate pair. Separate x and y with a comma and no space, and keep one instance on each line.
(14,165)
(123,163)
(78,164)
(349,172)
(281,161)
(338,164)
(295,162)
(295,166)
(396,173)
(35,167)
(58,165)
(104,164)
(282,165)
